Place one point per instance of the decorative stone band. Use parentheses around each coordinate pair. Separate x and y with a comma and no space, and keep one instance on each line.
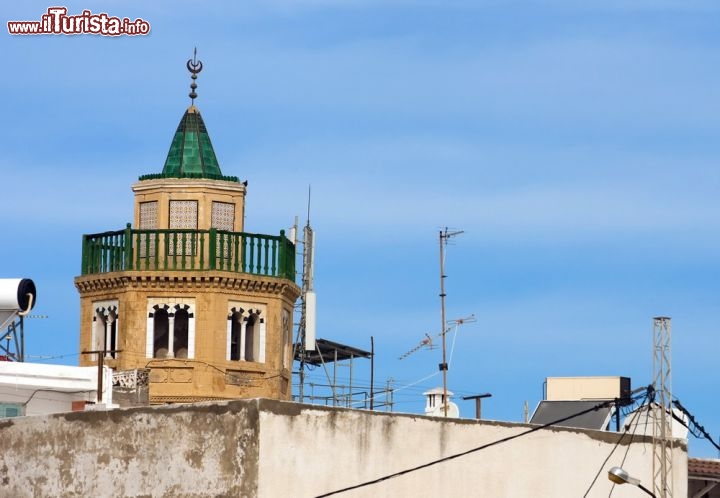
(141,280)
(161,400)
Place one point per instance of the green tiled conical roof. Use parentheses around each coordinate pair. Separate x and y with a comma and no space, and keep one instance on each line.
(191,153)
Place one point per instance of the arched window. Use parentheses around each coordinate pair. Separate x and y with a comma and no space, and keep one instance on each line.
(111,332)
(105,328)
(98,332)
(251,339)
(287,338)
(161,337)
(170,331)
(245,335)
(180,333)
(235,335)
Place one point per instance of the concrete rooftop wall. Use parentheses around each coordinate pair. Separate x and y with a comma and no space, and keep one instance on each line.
(270,448)
(329,449)
(179,451)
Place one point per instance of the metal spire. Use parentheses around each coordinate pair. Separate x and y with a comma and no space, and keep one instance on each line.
(194,66)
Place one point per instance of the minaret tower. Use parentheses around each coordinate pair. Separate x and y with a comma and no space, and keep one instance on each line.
(184,291)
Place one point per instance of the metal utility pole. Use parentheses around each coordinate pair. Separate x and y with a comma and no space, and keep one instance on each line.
(662,418)
(372,373)
(306,327)
(306,287)
(444,236)
(100,357)
(389,395)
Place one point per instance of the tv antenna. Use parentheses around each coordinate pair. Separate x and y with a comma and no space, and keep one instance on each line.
(426,343)
(445,235)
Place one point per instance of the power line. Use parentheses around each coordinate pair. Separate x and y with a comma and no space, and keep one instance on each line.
(699,428)
(473,450)
(602,466)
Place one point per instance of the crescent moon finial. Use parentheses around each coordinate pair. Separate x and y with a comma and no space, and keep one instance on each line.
(194,66)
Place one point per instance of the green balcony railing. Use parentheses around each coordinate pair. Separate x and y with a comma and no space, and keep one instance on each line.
(200,250)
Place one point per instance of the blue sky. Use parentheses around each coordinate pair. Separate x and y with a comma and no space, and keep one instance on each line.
(575,143)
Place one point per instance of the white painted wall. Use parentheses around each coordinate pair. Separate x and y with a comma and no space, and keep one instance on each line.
(43,389)
(325,449)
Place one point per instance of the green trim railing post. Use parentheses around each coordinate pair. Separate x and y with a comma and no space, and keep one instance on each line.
(282,255)
(183,254)
(243,253)
(128,248)
(84,270)
(202,250)
(274,256)
(236,252)
(213,248)
(266,256)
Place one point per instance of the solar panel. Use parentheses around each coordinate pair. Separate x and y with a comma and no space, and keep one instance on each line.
(549,411)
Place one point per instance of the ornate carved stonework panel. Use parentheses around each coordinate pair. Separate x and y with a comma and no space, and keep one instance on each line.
(184,214)
(132,378)
(148,215)
(148,221)
(223,216)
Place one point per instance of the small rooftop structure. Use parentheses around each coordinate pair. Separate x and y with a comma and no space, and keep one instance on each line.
(435,404)
(586,388)
(335,353)
(704,477)
(329,351)
(39,389)
(567,395)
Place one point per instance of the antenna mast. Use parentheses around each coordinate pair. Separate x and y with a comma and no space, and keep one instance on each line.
(444,236)
(662,428)
(306,332)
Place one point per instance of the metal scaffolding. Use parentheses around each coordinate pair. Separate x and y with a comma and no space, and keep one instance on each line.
(661,410)
(339,355)
(12,342)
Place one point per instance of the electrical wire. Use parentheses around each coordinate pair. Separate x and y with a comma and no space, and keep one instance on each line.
(452,346)
(695,424)
(602,466)
(627,450)
(40,358)
(467,452)
(36,391)
(56,392)
(394,390)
